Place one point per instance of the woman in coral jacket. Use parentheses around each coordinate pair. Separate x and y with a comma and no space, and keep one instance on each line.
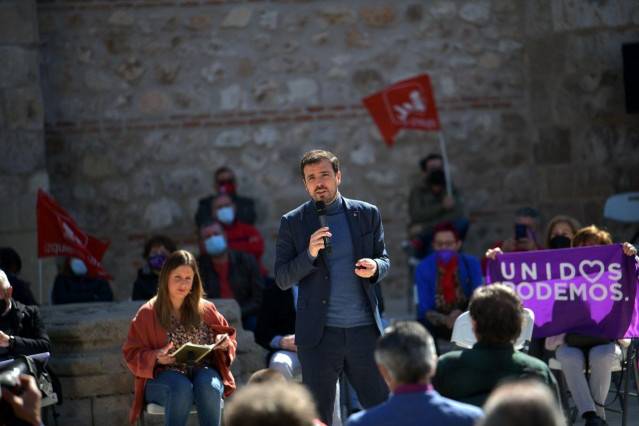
(179,314)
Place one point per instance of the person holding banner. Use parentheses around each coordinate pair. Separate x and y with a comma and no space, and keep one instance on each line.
(560,231)
(589,395)
(73,285)
(429,204)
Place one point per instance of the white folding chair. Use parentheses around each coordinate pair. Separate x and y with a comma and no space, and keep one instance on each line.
(464,336)
(623,208)
(158,410)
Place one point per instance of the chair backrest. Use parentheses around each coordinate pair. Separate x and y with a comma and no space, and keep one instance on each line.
(622,207)
(464,336)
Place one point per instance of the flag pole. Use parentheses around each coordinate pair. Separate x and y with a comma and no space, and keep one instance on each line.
(442,147)
(40,278)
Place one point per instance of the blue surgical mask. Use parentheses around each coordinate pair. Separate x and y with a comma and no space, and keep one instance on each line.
(215,245)
(78,267)
(445,256)
(226,215)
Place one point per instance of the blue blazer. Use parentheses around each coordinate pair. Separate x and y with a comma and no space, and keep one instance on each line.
(292,264)
(417,409)
(426,280)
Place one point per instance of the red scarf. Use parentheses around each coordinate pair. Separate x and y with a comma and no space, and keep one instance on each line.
(448,280)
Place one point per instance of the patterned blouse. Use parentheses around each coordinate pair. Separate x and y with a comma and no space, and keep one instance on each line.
(461,302)
(204,335)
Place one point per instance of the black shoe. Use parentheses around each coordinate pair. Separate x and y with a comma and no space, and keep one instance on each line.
(595,421)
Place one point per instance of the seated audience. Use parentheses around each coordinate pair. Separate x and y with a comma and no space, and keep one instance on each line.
(406,358)
(271,404)
(230,274)
(275,330)
(22,330)
(560,231)
(524,237)
(239,235)
(156,250)
(522,403)
(11,264)
(445,282)
(497,316)
(225,184)
(589,394)
(73,285)
(177,315)
(429,204)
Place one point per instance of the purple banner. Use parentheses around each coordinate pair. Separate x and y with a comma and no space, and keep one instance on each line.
(588,290)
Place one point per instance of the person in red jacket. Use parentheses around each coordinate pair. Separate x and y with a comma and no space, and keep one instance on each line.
(177,315)
(240,236)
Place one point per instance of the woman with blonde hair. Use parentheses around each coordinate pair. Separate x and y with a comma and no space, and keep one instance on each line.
(560,231)
(177,315)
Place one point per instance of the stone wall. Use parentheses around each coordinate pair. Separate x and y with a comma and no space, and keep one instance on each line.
(97,385)
(22,159)
(144,99)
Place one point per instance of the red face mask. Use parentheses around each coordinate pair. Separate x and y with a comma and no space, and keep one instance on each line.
(227,188)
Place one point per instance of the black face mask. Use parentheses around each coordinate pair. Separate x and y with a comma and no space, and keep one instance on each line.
(436,177)
(560,242)
(3,305)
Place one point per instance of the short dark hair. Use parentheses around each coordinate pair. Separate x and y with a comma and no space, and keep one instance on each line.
(446,227)
(317,155)
(158,240)
(10,260)
(221,170)
(407,351)
(498,314)
(529,212)
(432,156)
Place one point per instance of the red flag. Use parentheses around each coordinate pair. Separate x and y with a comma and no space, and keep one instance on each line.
(407,104)
(60,235)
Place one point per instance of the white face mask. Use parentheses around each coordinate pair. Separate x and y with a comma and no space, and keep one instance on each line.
(78,267)
(226,215)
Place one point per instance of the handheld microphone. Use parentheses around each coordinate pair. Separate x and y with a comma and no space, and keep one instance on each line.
(320,207)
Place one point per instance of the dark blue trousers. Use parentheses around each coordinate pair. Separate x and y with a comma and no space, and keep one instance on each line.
(343,349)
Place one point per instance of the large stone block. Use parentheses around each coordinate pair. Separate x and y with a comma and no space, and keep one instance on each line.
(23,152)
(111,410)
(554,146)
(18,22)
(19,66)
(74,411)
(571,15)
(547,55)
(97,385)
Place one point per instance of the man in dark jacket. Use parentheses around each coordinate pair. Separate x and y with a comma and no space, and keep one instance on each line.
(230,274)
(22,331)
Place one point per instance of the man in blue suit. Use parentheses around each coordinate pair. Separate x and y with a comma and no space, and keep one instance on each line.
(406,358)
(338,320)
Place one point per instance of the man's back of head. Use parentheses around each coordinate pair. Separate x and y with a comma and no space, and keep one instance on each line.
(407,353)
(526,402)
(497,314)
(271,404)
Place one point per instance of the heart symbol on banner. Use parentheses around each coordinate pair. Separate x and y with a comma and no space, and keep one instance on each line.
(591,264)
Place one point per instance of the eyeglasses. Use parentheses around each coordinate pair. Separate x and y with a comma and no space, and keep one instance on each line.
(222,182)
